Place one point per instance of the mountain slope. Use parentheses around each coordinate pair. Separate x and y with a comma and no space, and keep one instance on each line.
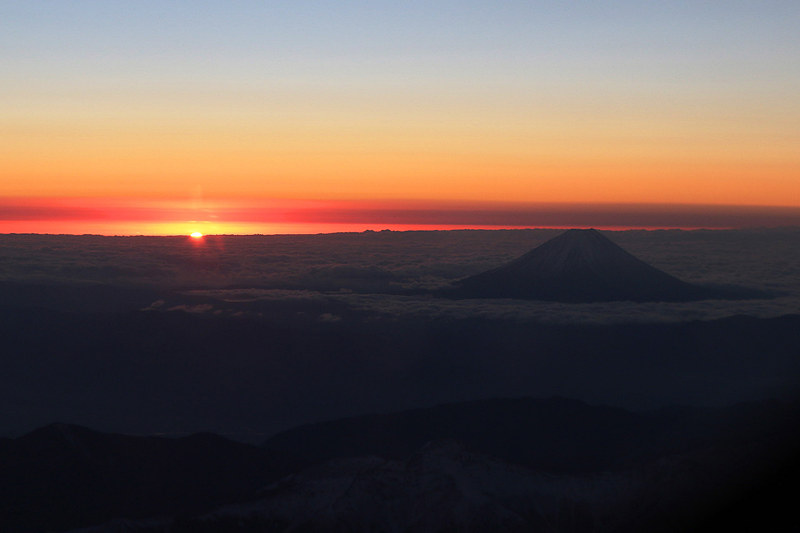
(581,266)
(678,469)
(549,434)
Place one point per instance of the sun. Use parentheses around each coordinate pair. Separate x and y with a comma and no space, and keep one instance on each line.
(196,235)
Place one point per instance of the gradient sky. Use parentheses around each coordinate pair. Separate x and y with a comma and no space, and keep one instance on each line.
(117,107)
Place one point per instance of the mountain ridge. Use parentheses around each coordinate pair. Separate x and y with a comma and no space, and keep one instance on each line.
(460,456)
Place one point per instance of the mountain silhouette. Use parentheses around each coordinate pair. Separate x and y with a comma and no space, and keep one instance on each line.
(64,476)
(473,464)
(583,266)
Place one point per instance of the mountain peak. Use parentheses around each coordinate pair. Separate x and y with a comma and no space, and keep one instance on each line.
(579,265)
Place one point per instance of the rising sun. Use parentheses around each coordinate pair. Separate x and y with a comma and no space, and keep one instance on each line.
(196,235)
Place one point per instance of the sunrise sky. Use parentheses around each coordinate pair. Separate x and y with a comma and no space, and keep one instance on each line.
(263,117)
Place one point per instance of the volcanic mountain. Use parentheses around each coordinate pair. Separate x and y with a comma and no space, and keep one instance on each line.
(583,266)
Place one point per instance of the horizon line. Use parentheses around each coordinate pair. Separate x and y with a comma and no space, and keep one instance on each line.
(411,230)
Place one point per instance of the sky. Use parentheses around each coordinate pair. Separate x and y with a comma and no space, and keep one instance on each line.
(263,117)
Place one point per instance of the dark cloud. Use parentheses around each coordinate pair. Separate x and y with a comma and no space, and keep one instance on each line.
(416,213)
(559,215)
(48,212)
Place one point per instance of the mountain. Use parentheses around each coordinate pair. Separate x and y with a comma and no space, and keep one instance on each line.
(508,428)
(442,487)
(521,464)
(554,435)
(583,266)
(527,465)
(63,476)
(445,487)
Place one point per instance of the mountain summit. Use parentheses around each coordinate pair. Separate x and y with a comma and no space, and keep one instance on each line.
(580,266)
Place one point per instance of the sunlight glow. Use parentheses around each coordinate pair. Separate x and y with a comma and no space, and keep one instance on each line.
(196,235)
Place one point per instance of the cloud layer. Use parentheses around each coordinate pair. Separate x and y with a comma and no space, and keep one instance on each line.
(372,272)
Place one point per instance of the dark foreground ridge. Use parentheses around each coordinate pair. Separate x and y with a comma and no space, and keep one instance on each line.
(585,266)
(520,464)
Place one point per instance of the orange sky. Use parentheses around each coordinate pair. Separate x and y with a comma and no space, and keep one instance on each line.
(497,154)
(116,110)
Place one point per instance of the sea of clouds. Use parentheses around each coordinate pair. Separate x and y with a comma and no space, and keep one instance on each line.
(377,272)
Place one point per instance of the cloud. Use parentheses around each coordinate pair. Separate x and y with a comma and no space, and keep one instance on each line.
(155,306)
(398,213)
(319,274)
(20,211)
(195,309)
(328,317)
(550,214)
